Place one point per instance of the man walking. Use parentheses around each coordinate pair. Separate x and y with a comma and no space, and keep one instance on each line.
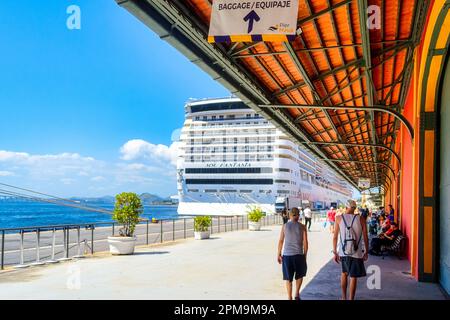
(353,248)
(292,251)
(308,217)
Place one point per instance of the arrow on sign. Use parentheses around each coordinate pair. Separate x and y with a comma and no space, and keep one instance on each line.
(251,18)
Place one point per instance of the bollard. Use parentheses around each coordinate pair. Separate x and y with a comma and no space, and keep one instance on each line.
(113,228)
(231,225)
(161,231)
(218,224)
(173,230)
(52,259)
(212,225)
(225,223)
(184,228)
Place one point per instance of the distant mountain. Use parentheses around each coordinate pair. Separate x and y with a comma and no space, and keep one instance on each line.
(98,200)
(147,199)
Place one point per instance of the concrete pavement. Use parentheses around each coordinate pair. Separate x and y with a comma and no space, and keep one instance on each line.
(233,265)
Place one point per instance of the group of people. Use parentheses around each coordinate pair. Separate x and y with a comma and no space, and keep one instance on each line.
(383,227)
(350,244)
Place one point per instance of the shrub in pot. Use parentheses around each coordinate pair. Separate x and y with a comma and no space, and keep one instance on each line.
(127,209)
(201,227)
(254,219)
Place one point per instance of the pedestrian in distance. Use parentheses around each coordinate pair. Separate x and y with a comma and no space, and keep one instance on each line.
(351,231)
(292,252)
(285,216)
(331,218)
(308,217)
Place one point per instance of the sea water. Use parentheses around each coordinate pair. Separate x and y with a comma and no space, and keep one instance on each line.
(14,214)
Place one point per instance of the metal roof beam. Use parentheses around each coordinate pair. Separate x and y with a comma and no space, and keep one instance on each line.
(365,39)
(325,11)
(378,108)
(320,77)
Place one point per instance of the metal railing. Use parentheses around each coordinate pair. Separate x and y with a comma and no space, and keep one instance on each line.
(22,247)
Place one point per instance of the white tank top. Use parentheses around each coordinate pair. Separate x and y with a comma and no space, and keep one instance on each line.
(359,253)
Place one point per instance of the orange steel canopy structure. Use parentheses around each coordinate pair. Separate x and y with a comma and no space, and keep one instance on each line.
(339,88)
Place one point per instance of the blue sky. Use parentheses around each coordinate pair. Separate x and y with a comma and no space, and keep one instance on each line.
(90,112)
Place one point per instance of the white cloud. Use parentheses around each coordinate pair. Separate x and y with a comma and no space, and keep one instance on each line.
(140,167)
(141,149)
(98,179)
(67,181)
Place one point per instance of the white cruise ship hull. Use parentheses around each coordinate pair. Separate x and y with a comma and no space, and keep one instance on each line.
(232,159)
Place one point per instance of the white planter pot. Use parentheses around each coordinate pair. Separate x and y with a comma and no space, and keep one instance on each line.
(200,235)
(121,245)
(254,226)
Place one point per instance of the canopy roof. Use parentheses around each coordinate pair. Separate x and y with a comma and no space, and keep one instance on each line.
(339,88)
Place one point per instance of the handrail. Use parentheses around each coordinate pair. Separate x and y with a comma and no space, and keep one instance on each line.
(67,245)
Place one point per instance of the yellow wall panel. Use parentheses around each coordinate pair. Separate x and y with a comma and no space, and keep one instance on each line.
(428,172)
(428,240)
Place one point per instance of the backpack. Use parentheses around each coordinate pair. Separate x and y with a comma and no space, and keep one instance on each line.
(349,243)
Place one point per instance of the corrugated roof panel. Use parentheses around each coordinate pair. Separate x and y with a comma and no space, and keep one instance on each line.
(331,51)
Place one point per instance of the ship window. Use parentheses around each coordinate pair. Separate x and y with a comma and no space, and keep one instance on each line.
(210,190)
(228,190)
(245,191)
(229,181)
(192,190)
(282,181)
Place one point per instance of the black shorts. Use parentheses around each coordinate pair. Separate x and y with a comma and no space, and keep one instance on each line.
(294,265)
(354,267)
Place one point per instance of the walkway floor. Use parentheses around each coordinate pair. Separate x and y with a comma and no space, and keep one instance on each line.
(234,265)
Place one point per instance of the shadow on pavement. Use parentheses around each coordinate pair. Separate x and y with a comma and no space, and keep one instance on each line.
(395,282)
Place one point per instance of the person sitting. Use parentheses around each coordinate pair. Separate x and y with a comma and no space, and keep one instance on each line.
(386,225)
(373,224)
(386,238)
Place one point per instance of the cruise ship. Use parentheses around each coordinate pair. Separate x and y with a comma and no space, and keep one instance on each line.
(232,159)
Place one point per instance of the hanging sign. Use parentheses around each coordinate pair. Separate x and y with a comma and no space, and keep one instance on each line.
(253,20)
(364,183)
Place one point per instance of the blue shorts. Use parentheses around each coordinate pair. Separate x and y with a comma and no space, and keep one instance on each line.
(294,266)
(354,267)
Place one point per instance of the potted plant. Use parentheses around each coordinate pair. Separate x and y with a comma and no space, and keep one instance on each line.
(201,227)
(127,209)
(254,219)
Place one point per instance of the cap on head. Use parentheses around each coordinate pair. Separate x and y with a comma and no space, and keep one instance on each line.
(331,208)
(351,203)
